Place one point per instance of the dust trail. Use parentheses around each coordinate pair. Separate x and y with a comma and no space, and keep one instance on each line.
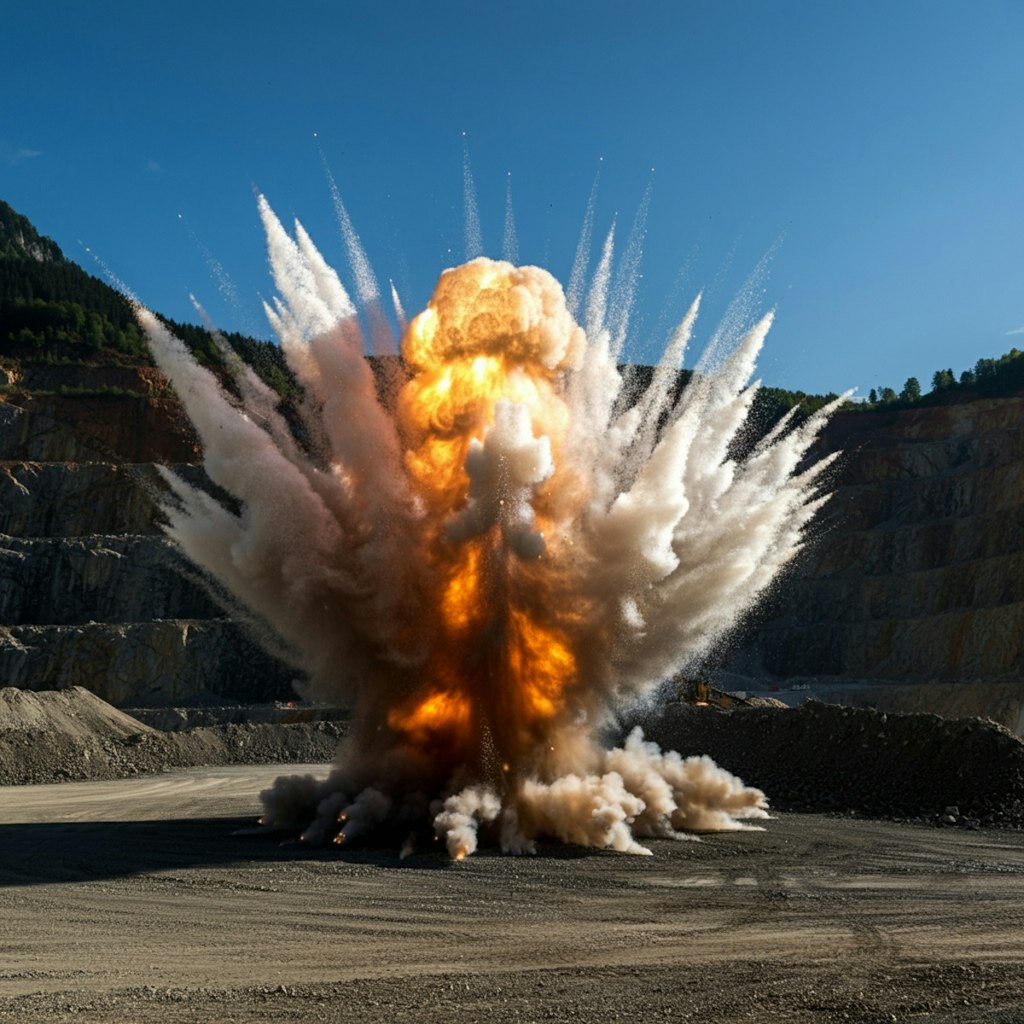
(490,565)
(382,341)
(578,274)
(474,237)
(623,291)
(509,243)
(225,285)
(112,279)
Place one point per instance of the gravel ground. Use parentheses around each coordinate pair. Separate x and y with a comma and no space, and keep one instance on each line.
(153,900)
(150,901)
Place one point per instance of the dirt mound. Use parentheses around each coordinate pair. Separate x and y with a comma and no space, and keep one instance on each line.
(60,735)
(75,713)
(824,757)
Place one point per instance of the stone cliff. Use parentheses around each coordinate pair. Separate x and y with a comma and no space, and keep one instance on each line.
(91,593)
(916,576)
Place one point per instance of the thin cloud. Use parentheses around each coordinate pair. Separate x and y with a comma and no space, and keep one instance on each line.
(1016,330)
(14,155)
(154,167)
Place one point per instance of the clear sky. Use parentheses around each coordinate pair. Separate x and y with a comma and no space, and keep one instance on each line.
(875,149)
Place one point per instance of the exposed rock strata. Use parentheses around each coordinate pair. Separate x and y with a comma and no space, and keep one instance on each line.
(91,594)
(917,574)
(159,662)
(100,427)
(915,578)
(97,578)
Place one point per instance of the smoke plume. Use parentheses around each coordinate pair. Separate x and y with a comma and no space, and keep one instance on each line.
(488,556)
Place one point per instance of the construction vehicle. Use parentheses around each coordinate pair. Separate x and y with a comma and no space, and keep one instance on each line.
(701,694)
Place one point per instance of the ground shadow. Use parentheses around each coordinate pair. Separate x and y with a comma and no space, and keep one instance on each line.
(42,853)
(87,851)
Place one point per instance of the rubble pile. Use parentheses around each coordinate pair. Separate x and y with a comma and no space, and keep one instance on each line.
(825,757)
(64,735)
(816,758)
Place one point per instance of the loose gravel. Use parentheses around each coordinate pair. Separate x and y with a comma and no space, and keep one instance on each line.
(65,735)
(829,758)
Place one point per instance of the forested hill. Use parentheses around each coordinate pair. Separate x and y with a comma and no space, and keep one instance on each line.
(50,308)
(52,311)
(20,240)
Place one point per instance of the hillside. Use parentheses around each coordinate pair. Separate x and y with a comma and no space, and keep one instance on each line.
(91,593)
(64,330)
(52,310)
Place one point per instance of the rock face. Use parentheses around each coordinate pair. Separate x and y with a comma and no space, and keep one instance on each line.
(111,427)
(917,574)
(91,593)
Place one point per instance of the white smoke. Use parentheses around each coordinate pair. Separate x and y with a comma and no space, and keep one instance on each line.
(503,472)
(486,574)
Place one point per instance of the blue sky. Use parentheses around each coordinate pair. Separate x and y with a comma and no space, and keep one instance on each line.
(876,149)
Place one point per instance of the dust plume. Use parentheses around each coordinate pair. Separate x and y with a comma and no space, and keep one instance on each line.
(487,566)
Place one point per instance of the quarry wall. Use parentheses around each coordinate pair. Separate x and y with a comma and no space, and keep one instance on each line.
(91,593)
(915,575)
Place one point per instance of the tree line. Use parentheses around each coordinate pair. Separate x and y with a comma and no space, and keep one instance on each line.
(1002,375)
(53,311)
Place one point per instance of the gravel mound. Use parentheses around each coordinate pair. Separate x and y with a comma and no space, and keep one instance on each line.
(63,735)
(825,757)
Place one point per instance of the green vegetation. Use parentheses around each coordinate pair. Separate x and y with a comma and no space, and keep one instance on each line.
(264,357)
(51,308)
(988,378)
(53,312)
(773,403)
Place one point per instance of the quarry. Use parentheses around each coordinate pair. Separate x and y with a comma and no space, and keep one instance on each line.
(142,725)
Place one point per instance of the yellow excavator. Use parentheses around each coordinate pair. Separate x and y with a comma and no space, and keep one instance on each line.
(701,694)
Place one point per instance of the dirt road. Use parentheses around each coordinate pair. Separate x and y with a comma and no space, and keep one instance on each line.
(139,901)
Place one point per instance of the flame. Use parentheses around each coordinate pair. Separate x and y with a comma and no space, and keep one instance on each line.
(481,344)
(463,591)
(440,712)
(541,665)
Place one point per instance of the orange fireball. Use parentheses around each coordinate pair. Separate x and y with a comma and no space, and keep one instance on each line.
(483,424)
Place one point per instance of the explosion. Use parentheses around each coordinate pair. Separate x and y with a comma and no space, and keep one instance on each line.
(488,549)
